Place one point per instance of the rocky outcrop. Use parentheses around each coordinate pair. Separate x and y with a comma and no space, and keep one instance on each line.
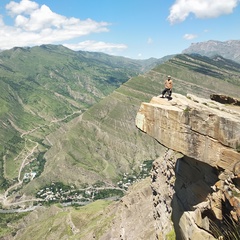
(163,181)
(225,99)
(132,216)
(198,190)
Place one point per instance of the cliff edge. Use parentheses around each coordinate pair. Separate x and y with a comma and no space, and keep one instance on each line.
(196,185)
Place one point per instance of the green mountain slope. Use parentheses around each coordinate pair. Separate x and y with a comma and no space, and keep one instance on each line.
(202,75)
(44,87)
(102,219)
(103,143)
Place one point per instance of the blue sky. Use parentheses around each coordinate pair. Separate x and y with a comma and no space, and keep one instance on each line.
(137,29)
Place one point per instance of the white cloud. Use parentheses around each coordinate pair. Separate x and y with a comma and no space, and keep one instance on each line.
(39,19)
(24,7)
(181,9)
(96,46)
(188,36)
(36,25)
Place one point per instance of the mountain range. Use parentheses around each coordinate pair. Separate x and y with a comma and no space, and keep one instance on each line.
(228,49)
(67,120)
(43,87)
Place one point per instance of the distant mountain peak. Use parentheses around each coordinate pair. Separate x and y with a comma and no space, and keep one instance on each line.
(228,49)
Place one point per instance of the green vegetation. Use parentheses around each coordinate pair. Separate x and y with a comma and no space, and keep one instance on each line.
(171,235)
(70,223)
(61,193)
(35,167)
(104,142)
(203,75)
(43,88)
(7,221)
(79,109)
(187,109)
(129,178)
(108,193)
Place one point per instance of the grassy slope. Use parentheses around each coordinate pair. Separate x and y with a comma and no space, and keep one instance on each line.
(101,219)
(104,143)
(43,84)
(203,76)
(57,223)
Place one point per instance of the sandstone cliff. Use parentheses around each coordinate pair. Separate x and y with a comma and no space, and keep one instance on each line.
(196,184)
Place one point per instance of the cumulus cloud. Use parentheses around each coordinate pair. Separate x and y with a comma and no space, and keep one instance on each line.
(36,24)
(188,36)
(24,7)
(181,9)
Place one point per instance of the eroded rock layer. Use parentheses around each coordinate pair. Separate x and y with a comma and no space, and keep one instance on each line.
(199,128)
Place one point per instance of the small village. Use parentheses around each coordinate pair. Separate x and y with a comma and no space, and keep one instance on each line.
(58,192)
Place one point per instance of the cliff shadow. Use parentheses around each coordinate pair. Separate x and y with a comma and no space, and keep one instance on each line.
(192,186)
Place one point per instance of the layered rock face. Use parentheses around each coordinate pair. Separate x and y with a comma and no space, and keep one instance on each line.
(201,187)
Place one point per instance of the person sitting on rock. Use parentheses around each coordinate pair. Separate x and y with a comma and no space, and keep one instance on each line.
(168,87)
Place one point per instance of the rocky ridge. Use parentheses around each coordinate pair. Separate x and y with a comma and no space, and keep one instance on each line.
(196,184)
(228,49)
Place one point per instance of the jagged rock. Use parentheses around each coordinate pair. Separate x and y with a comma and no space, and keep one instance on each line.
(202,185)
(163,191)
(216,205)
